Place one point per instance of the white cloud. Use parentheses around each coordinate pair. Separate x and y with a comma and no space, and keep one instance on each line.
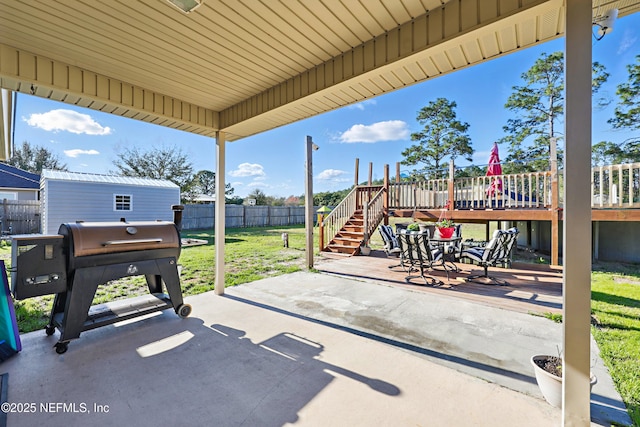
(391,130)
(248,169)
(76,152)
(628,41)
(362,105)
(67,120)
(329,174)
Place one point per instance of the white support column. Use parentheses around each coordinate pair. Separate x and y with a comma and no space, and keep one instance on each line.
(577,215)
(308,203)
(220,213)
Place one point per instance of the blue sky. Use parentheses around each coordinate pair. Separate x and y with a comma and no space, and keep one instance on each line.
(376,130)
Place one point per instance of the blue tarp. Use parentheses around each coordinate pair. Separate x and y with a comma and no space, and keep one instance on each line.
(9,335)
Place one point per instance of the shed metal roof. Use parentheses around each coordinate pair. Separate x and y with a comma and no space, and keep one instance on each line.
(107,179)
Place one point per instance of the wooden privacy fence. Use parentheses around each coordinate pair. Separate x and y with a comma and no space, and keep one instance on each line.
(20,217)
(196,217)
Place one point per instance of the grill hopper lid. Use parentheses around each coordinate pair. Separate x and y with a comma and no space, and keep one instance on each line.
(95,238)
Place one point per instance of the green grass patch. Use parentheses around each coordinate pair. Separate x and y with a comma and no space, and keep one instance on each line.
(555,317)
(615,305)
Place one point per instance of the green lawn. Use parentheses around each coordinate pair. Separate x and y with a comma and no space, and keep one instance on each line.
(615,306)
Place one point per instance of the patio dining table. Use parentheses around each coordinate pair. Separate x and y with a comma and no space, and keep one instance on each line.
(444,244)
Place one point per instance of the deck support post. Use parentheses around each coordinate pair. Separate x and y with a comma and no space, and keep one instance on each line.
(450,187)
(355,173)
(385,202)
(308,204)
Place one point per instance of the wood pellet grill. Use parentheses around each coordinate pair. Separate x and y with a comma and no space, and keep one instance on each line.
(84,255)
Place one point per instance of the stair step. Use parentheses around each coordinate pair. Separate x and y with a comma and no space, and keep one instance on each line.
(349,243)
(349,238)
(350,234)
(342,249)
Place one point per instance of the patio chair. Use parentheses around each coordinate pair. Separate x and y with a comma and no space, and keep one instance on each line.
(497,251)
(420,256)
(391,246)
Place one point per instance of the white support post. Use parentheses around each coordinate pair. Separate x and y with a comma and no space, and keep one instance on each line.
(220,213)
(577,215)
(308,203)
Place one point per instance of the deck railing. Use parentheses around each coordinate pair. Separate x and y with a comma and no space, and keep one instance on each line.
(429,194)
(616,186)
(525,190)
(338,217)
(529,190)
(372,213)
(612,186)
(358,198)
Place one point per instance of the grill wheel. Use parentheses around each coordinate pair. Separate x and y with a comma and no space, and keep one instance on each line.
(183,310)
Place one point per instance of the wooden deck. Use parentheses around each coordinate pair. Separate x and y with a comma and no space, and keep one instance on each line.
(532,288)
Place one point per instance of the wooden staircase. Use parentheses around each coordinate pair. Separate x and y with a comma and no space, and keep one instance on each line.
(347,241)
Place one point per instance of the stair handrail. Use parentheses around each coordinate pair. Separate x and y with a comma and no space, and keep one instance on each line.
(372,212)
(338,217)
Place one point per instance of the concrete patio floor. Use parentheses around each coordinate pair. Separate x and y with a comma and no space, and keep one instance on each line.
(304,349)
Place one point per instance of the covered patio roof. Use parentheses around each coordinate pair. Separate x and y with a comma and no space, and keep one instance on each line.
(247,67)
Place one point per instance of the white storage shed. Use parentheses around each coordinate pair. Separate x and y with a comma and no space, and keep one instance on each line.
(71,196)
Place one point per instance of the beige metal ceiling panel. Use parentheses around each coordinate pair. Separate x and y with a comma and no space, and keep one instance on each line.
(472,51)
(527,31)
(488,10)
(257,64)
(550,22)
(506,7)
(489,45)
(456,57)
(442,62)
(416,73)
(427,65)
(451,16)
(507,39)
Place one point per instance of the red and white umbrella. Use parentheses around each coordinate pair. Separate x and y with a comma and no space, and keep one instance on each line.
(494,169)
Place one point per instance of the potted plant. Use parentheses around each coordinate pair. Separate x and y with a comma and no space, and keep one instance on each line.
(446,227)
(548,370)
(414,226)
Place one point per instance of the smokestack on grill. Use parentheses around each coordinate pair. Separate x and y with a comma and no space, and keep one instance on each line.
(177,216)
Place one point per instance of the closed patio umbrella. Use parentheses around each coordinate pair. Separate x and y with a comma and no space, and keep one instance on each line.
(494,169)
